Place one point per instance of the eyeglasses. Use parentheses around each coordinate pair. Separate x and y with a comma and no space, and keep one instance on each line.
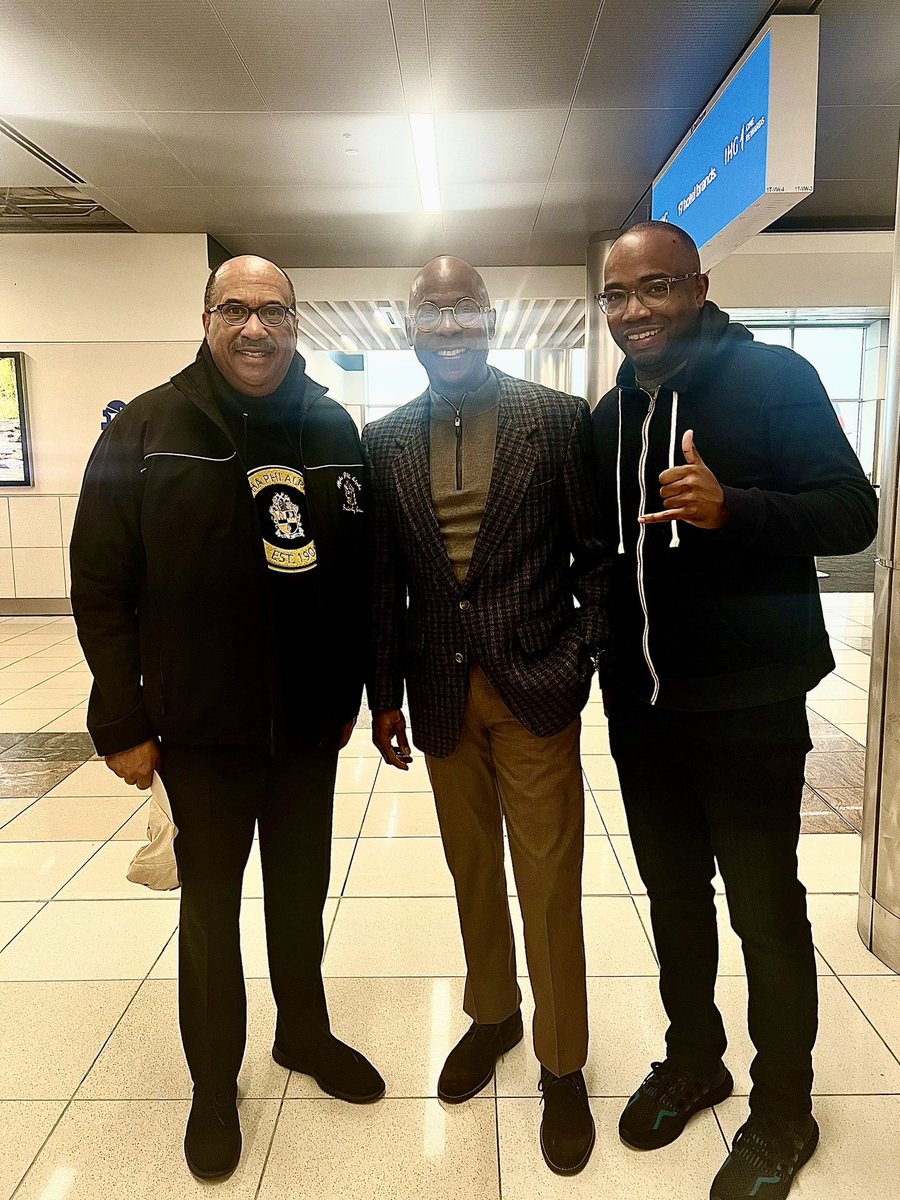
(466,313)
(652,293)
(270,315)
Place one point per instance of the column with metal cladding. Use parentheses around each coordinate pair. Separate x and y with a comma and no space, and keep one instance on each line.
(879,893)
(602,355)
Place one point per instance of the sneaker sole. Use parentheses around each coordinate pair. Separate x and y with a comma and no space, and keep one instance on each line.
(350,1098)
(579,1167)
(708,1101)
(455,1099)
(804,1158)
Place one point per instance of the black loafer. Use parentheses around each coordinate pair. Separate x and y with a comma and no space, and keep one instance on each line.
(567,1126)
(470,1064)
(667,1099)
(212,1140)
(337,1068)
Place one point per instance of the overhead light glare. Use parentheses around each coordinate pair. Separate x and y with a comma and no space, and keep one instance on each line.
(421,127)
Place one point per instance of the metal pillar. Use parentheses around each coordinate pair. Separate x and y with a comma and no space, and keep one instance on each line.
(879,892)
(602,356)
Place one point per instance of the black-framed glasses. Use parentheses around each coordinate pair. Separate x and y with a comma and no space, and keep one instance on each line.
(466,313)
(651,293)
(270,315)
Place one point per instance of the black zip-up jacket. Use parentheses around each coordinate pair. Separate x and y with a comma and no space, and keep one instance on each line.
(169,578)
(728,618)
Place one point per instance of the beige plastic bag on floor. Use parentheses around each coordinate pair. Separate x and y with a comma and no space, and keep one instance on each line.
(154,865)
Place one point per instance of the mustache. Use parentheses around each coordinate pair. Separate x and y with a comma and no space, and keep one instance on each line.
(248,344)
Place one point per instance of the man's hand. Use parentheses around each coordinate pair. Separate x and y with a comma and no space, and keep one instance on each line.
(136,766)
(344,733)
(388,724)
(691,493)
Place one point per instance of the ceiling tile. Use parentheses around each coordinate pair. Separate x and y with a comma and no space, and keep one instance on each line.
(43,71)
(858,142)
(491,239)
(110,149)
(167,55)
(627,145)
(844,199)
(513,146)
(503,55)
(167,210)
(228,149)
(584,208)
(318,55)
(858,44)
(276,210)
(648,56)
(376,241)
(18,168)
(320,141)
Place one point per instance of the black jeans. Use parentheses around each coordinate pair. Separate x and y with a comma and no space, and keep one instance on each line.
(218,795)
(725,787)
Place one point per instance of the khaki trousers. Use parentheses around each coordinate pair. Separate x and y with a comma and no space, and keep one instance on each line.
(501,771)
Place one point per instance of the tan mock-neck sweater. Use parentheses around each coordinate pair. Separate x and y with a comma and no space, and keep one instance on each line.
(463,436)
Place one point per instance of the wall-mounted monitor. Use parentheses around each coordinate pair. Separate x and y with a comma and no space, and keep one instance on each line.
(15,448)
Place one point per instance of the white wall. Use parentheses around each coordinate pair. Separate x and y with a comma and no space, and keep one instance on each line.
(806,270)
(99,317)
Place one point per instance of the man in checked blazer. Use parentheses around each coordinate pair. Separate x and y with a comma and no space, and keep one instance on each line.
(482,502)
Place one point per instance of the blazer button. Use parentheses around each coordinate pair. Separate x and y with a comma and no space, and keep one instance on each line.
(460,658)
(464,605)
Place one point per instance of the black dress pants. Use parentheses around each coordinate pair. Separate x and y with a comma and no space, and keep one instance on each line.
(219,794)
(725,787)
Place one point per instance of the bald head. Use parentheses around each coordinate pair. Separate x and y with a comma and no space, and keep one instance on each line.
(454,355)
(256,267)
(445,274)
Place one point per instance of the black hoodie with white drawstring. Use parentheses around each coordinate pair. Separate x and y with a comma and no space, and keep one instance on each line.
(706,620)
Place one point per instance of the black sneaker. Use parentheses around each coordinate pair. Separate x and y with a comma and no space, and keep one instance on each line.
(765,1156)
(567,1127)
(212,1140)
(470,1064)
(667,1099)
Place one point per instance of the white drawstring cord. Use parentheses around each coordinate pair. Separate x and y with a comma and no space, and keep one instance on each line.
(621,549)
(675,539)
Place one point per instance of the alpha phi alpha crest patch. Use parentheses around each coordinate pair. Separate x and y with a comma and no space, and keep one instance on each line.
(349,487)
(280,495)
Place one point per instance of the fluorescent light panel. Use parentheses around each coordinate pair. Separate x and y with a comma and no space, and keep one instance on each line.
(421,127)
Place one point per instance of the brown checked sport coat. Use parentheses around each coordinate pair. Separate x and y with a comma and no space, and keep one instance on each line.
(538,549)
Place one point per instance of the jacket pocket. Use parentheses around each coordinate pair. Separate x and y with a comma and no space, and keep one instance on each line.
(543,633)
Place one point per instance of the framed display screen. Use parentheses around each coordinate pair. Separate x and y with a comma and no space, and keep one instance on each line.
(15,455)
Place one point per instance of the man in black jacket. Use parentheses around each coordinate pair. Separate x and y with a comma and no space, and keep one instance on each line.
(717,636)
(218,589)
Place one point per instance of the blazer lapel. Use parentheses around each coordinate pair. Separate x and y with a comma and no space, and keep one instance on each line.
(514,461)
(411,474)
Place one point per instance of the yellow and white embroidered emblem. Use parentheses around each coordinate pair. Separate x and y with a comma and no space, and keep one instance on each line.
(280,495)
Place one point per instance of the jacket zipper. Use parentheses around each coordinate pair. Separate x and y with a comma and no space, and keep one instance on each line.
(642,533)
(457,421)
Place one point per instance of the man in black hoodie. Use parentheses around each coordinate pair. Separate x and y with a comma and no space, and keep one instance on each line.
(218,586)
(723,471)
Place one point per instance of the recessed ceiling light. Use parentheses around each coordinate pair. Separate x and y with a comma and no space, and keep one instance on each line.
(351,151)
(425,149)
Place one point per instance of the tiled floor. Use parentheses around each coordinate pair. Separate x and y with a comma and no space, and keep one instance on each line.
(93,1088)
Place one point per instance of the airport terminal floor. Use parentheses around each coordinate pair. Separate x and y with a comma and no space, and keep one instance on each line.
(93,1088)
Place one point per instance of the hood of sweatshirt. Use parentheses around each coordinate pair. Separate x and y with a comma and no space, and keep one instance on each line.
(717,335)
